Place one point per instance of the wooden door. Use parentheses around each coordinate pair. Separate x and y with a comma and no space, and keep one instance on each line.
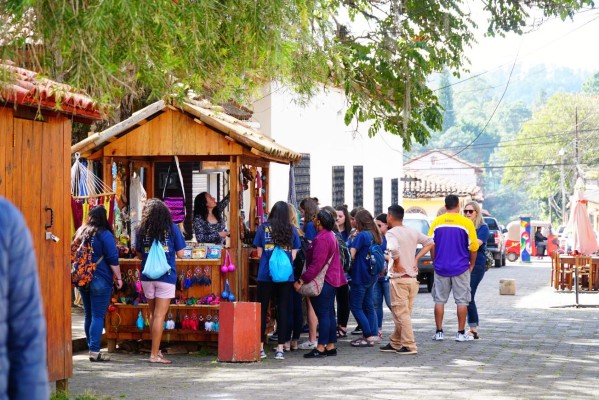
(35,175)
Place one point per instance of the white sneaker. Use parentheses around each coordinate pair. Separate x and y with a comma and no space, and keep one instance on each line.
(307,345)
(438,336)
(262,354)
(463,337)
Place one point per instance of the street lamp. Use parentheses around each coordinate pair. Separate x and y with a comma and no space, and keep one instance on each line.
(562,184)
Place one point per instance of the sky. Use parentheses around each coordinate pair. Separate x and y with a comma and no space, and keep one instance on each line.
(558,43)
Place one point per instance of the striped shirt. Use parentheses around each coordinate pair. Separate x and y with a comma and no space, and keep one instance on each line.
(455,237)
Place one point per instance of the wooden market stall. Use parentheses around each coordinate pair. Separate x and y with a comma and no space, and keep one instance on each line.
(201,137)
(35,138)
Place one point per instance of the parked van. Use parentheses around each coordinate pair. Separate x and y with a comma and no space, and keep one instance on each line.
(512,243)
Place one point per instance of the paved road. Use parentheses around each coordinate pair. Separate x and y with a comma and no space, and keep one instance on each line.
(528,350)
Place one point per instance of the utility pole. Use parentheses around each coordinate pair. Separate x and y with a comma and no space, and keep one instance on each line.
(562,184)
(576,160)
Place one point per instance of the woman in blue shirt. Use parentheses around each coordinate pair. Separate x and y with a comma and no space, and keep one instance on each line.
(96,295)
(362,282)
(472,211)
(277,231)
(157,224)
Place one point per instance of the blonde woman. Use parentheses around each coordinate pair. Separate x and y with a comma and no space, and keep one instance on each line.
(472,211)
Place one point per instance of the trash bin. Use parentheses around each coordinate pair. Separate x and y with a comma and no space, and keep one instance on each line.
(239,332)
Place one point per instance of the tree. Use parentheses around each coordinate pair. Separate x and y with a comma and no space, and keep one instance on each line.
(532,160)
(446,100)
(591,85)
(226,49)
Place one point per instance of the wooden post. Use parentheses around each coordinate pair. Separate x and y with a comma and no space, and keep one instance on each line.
(235,241)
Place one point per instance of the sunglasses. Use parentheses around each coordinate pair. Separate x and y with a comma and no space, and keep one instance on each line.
(469,211)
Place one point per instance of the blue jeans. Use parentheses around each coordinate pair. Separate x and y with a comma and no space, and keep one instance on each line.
(477,274)
(380,291)
(95,302)
(324,307)
(361,304)
(295,320)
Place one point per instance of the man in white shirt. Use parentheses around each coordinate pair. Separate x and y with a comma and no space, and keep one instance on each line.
(402,242)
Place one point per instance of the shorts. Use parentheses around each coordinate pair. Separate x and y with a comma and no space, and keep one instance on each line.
(158,290)
(460,285)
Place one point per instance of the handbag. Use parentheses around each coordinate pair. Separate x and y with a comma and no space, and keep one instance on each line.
(314,287)
(156,264)
(490,260)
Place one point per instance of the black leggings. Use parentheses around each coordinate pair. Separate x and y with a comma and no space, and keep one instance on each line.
(343,305)
(282,292)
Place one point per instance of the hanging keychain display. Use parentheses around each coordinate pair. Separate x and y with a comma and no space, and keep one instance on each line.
(227,294)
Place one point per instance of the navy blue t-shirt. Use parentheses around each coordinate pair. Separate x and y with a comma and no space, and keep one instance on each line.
(263,239)
(103,244)
(482,233)
(173,242)
(310,231)
(360,267)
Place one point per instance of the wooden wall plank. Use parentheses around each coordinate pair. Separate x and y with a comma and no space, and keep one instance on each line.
(160,134)
(6,135)
(53,189)
(65,261)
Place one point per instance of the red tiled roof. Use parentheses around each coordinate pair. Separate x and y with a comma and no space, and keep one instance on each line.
(29,89)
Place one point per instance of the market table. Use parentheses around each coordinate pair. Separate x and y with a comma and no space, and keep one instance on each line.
(563,266)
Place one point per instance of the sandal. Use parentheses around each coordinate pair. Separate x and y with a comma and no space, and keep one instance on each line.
(99,357)
(341,333)
(361,342)
(159,360)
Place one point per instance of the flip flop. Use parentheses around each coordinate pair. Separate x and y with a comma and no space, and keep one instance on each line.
(362,343)
(159,360)
(341,333)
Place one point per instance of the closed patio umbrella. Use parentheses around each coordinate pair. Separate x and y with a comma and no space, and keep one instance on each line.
(583,236)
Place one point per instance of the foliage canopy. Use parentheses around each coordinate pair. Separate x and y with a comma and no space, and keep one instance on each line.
(122,51)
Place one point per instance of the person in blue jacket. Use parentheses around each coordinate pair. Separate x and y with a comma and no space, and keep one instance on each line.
(277,231)
(23,365)
(157,224)
(96,296)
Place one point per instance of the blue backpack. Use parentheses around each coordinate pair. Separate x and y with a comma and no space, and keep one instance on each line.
(376,257)
(279,265)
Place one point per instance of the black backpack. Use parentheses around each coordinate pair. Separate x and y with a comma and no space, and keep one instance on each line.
(300,258)
(344,253)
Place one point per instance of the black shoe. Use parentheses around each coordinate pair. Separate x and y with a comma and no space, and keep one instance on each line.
(405,350)
(332,352)
(357,331)
(316,354)
(387,348)
(274,337)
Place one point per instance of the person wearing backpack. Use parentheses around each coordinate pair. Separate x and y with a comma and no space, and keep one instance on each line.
(97,233)
(381,287)
(362,280)
(157,227)
(277,242)
(323,253)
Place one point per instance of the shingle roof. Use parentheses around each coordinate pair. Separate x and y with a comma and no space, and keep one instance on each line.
(28,88)
(420,185)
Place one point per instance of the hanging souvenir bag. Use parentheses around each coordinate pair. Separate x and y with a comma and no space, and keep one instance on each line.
(279,265)
(156,264)
(176,204)
(82,267)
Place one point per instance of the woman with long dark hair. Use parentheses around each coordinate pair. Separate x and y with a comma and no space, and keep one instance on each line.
(277,231)
(208,222)
(381,287)
(362,282)
(324,251)
(96,296)
(157,225)
(343,221)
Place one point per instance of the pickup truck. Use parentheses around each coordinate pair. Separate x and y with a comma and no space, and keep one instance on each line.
(426,270)
(496,241)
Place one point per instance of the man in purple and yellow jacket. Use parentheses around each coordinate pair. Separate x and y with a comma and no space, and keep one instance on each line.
(454,255)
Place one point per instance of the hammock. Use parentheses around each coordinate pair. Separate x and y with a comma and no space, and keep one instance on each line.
(84,184)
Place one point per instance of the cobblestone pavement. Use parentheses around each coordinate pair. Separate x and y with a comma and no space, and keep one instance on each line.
(528,350)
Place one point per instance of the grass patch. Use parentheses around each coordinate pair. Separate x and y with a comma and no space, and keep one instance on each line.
(84,396)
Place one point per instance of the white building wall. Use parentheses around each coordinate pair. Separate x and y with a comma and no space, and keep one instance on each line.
(318,128)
